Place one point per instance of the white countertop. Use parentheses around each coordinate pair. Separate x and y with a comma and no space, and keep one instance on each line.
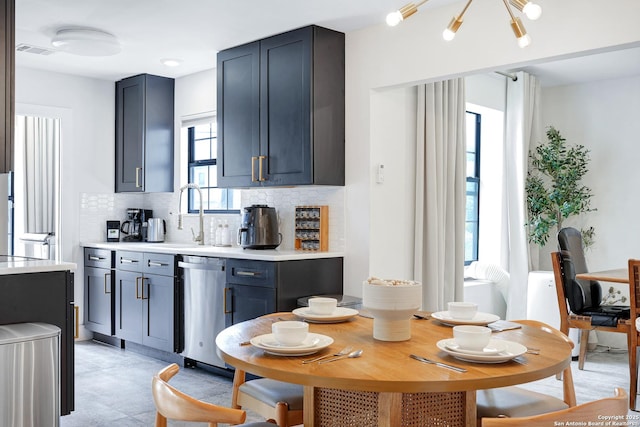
(34,266)
(213,251)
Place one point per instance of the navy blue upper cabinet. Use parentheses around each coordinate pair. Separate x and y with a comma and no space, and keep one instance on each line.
(144,134)
(281,110)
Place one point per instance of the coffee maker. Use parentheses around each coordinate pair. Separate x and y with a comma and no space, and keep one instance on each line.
(135,227)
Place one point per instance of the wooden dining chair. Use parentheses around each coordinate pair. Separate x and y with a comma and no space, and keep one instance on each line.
(519,402)
(634,332)
(578,415)
(175,405)
(569,319)
(275,400)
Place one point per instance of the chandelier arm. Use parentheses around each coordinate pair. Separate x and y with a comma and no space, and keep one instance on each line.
(513,18)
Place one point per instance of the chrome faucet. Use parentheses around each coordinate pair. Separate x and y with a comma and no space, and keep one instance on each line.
(200,237)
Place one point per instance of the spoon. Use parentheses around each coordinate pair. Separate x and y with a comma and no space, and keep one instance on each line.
(352,355)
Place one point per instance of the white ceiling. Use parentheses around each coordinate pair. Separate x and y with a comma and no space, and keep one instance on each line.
(194,30)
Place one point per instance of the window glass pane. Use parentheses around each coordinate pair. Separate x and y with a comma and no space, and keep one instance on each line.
(470,242)
(200,176)
(213,176)
(217,198)
(203,132)
(201,150)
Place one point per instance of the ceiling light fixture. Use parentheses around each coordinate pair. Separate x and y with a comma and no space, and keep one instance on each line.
(532,10)
(171,62)
(86,42)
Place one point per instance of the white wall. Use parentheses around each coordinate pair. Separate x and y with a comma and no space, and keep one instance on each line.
(379,57)
(87,111)
(392,227)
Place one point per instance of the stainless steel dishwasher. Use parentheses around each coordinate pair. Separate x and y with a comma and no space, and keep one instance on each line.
(204,281)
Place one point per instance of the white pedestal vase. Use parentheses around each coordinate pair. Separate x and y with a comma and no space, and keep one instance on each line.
(392,307)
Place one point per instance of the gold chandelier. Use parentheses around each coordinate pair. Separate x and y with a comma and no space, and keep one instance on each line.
(530,9)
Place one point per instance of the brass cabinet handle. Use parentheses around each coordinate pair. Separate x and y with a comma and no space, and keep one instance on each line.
(76,309)
(105,283)
(260,176)
(142,282)
(224,301)
(137,292)
(253,168)
(138,170)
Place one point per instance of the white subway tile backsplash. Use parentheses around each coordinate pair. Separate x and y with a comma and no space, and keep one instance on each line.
(97,208)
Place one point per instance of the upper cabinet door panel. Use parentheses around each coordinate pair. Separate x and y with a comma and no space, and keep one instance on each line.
(285,114)
(130,125)
(238,114)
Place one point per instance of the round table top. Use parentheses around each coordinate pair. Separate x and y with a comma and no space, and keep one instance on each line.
(386,366)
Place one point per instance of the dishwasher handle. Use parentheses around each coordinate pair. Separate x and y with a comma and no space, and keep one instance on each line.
(196,266)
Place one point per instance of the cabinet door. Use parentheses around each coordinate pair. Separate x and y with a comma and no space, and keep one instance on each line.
(157,315)
(130,113)
(99,300)
(248,302)
(285,107)
(129,306)
(238,116)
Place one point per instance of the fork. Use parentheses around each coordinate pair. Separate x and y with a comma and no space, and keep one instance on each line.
(342,352)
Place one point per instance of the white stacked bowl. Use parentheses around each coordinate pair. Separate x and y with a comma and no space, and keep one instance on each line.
(392,307)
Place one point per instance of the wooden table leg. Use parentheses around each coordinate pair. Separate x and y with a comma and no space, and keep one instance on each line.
(308,406)
(389,409)
(472,409)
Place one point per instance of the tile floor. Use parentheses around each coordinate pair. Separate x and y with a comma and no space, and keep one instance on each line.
(113,385)
(113,388)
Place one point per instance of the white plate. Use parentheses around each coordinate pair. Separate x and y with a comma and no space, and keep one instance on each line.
(314,342)
(494,347)
(341,314)
(512,349)
(480,318)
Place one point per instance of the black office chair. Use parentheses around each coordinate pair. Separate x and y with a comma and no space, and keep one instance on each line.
(583,296)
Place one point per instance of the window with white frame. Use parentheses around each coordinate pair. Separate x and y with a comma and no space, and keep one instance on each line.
(202,166)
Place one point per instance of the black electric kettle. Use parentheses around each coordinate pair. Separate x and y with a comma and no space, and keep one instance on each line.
(259,228)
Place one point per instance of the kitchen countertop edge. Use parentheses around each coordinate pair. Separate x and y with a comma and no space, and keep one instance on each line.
(34,266)
(213,251)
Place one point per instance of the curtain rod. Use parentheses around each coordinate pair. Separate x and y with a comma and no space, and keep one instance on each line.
(511,76)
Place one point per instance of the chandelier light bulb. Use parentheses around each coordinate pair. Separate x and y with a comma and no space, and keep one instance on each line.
(532,10)
(394,18)
(524,41)
(450,32)
(448,35)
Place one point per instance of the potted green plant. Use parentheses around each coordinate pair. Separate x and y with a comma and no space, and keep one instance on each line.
(554,187)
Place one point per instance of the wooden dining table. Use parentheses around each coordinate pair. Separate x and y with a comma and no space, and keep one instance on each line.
(619,275)
(385,387)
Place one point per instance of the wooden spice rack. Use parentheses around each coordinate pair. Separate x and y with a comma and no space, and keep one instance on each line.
(312,228)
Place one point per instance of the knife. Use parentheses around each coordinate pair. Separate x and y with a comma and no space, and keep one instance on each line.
(433,362)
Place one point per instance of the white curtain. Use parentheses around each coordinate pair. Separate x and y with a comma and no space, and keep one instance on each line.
(522,129)
(41,142)
(440,193)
